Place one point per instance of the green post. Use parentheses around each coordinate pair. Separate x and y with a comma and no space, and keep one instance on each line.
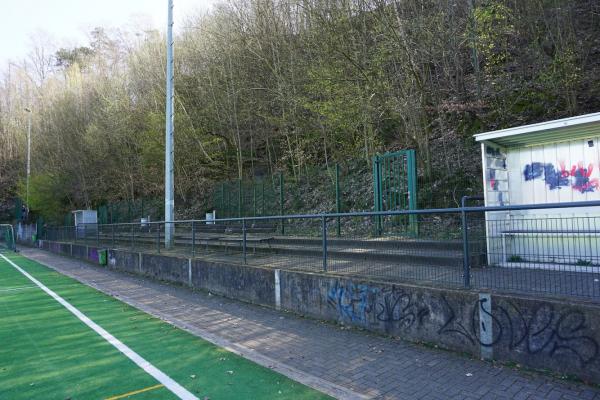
(338,206)
(18,209)
(263,196)
(228,203)
(412,191)
(281,201)
(253,199)
(222,210)
(239,198)
(377,192)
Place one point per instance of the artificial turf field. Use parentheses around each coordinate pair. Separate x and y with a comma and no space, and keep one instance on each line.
(47,352)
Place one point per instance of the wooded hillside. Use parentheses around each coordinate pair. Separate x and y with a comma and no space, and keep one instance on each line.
(269,85)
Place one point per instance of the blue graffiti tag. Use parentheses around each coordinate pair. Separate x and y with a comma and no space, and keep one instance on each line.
(533,171)
(351,301)
(554,178)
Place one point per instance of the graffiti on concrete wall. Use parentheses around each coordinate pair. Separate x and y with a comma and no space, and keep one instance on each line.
(351,301)
(398,307)
(566,334)
(578,177)
(542,331)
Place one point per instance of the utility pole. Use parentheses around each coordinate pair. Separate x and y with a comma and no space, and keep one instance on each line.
(169,192)
(28,110)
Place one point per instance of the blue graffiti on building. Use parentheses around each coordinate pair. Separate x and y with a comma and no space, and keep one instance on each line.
(581,178)
(351,301)
(533,171)
(554,178)
(578,177)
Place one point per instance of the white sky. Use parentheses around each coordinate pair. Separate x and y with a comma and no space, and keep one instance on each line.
(66,23)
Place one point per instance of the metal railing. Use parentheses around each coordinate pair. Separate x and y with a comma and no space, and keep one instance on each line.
(544,248)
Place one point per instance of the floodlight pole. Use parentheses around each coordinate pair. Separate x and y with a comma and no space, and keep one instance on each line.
(169,192)
(28,156)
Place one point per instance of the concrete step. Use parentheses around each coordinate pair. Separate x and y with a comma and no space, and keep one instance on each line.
(412,251)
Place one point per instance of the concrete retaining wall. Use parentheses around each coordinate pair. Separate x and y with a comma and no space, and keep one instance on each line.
(81,251)
(563,336)
(255,285)
(170,269)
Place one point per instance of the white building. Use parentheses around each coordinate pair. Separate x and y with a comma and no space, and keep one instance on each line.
(550,162)
(86,222)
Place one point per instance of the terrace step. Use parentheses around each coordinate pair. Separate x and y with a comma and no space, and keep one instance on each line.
(409,251)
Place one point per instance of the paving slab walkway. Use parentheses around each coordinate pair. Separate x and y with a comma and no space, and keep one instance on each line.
(343,362)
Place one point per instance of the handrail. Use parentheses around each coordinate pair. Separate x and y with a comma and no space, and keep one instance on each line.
(456,210)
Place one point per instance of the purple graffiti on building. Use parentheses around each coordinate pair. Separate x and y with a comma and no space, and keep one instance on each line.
(581,178)
(554,178)
(534,170)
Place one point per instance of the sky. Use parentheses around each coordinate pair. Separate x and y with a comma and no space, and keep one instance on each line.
(67,23)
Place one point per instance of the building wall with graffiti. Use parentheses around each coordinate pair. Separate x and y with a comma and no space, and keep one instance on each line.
(496,170)
(555,173)
(560,172)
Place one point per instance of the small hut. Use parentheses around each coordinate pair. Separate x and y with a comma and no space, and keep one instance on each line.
(550,162)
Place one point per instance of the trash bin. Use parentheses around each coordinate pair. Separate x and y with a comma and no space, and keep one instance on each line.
(102,257)
(34,237)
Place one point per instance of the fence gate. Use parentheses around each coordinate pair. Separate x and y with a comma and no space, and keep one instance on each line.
(395,188)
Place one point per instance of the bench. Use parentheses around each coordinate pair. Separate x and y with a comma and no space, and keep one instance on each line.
(543,232)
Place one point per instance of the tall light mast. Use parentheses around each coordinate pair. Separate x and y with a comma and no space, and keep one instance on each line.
(169,191)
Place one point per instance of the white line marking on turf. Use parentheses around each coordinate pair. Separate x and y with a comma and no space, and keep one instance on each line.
(17,288)
(157,374)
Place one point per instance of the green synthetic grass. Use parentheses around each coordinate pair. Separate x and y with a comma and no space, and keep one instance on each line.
(47,353)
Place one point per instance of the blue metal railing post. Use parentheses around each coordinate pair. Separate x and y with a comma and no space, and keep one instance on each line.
(324,234)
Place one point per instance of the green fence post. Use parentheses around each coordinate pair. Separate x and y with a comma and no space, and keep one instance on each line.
(263,197)
(193,239)
(253,199)
(377,192)
(412,191)
(228,192)
(338,206)
(281,202)
(239,198)
(222,210)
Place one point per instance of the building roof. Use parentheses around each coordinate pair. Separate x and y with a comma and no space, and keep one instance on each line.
(560,130)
